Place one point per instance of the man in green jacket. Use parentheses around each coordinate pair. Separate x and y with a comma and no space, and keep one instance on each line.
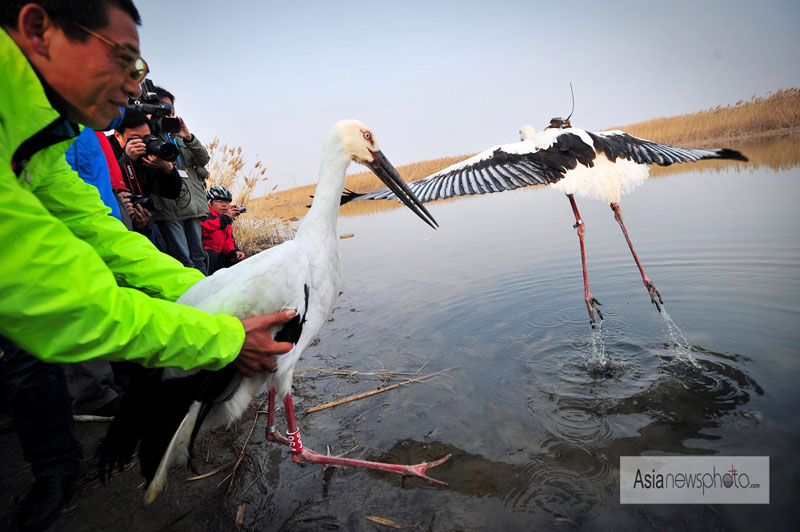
(75,284)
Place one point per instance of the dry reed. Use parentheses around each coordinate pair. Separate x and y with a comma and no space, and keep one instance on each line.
(776,112)
(255,230)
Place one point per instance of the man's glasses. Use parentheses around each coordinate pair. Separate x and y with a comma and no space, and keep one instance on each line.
(139,68)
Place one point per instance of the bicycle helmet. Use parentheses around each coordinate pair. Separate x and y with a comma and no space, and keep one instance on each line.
(219,193)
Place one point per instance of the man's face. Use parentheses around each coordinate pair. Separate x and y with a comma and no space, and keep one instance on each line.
(91,76)
(132,133)
(222,207)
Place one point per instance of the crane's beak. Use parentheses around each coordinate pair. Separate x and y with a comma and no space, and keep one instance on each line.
(386,172)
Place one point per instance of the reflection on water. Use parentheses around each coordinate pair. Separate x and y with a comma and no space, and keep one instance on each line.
(542,408)
(589,422)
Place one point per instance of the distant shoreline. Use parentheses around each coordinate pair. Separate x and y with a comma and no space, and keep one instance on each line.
(775,116)
(749,136)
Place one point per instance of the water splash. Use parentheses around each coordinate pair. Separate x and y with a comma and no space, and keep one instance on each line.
(598,360)
(677,341)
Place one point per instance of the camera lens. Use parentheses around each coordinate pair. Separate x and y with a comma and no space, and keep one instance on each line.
(160,148)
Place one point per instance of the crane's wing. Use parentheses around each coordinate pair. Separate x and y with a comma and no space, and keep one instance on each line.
(543,160)
(502,167)
(618,144)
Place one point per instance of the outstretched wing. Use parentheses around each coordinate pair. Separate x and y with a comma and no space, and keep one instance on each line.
(503,167)
(542,161)
(618,144)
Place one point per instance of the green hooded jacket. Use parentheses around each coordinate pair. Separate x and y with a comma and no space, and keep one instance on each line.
(75,284)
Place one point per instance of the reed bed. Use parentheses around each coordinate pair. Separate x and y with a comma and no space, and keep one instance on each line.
(776,112)
(257,229)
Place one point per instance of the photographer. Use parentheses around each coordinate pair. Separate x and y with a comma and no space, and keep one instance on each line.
(178,219)
(218,231)
(76,284)
(145,175)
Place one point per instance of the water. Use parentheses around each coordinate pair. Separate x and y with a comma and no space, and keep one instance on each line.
(542,407)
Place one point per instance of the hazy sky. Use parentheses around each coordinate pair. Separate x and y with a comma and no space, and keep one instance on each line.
(438,78)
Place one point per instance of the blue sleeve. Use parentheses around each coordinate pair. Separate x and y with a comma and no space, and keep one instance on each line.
(86,157)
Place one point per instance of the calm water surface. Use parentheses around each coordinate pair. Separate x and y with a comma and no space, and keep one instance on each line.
(535,425)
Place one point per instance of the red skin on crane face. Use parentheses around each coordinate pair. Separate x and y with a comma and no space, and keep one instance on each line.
(368,138)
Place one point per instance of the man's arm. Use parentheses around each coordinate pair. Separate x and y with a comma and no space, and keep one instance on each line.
(193,144)
(166,183)
(63,283)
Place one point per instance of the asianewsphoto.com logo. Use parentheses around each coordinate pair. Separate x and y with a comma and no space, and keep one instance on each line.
(694,480)
(702,481)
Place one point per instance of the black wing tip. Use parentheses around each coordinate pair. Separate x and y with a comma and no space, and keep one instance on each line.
(348,196)
(734,155)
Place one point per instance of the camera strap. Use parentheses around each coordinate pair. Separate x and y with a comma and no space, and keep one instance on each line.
(130,176)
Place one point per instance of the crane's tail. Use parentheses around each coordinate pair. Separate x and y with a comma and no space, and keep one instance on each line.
(150,412)
(177,450)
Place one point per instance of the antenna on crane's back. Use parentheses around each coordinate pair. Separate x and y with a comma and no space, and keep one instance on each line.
(561,123)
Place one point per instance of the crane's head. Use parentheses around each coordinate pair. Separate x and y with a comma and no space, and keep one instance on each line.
(526,132)
(358,142)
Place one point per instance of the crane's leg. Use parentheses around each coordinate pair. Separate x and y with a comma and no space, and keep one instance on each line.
(591,302)
(272,432)
(655,297)
(301,455)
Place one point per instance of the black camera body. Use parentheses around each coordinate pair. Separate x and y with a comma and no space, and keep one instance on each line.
(160,148)
(147,202)
(150,104)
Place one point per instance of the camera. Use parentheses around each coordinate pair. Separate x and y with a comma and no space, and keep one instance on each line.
(242,208)
(160,148)
(150,104)
(146,202)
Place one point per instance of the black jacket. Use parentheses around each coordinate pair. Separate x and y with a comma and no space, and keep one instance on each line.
(144,180)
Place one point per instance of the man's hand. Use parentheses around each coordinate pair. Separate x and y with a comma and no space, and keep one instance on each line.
(184,132)
(126,201)
(135,148)
(159,164)
(259,349)
(238,256)
(140,216)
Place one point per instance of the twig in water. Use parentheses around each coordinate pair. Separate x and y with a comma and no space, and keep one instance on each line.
(210,473)
(373,392)
(355,444)
(241,455)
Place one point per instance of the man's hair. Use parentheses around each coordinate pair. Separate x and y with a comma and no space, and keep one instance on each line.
(164,93)
(92,14)
(133,118)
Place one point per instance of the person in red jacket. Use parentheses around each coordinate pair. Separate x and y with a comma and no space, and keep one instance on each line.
(218,240)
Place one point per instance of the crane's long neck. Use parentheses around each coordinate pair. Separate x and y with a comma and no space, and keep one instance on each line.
(320,222)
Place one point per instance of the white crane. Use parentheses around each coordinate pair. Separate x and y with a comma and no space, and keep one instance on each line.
(168,410)
(601,165)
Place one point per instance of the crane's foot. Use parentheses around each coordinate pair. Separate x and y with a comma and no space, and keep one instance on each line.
(273,435)
(307,456)
(592,305)
(655,297)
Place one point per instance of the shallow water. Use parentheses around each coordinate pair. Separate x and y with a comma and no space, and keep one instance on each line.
(542,407)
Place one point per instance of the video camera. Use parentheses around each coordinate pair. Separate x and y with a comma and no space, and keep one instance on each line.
(150,104)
